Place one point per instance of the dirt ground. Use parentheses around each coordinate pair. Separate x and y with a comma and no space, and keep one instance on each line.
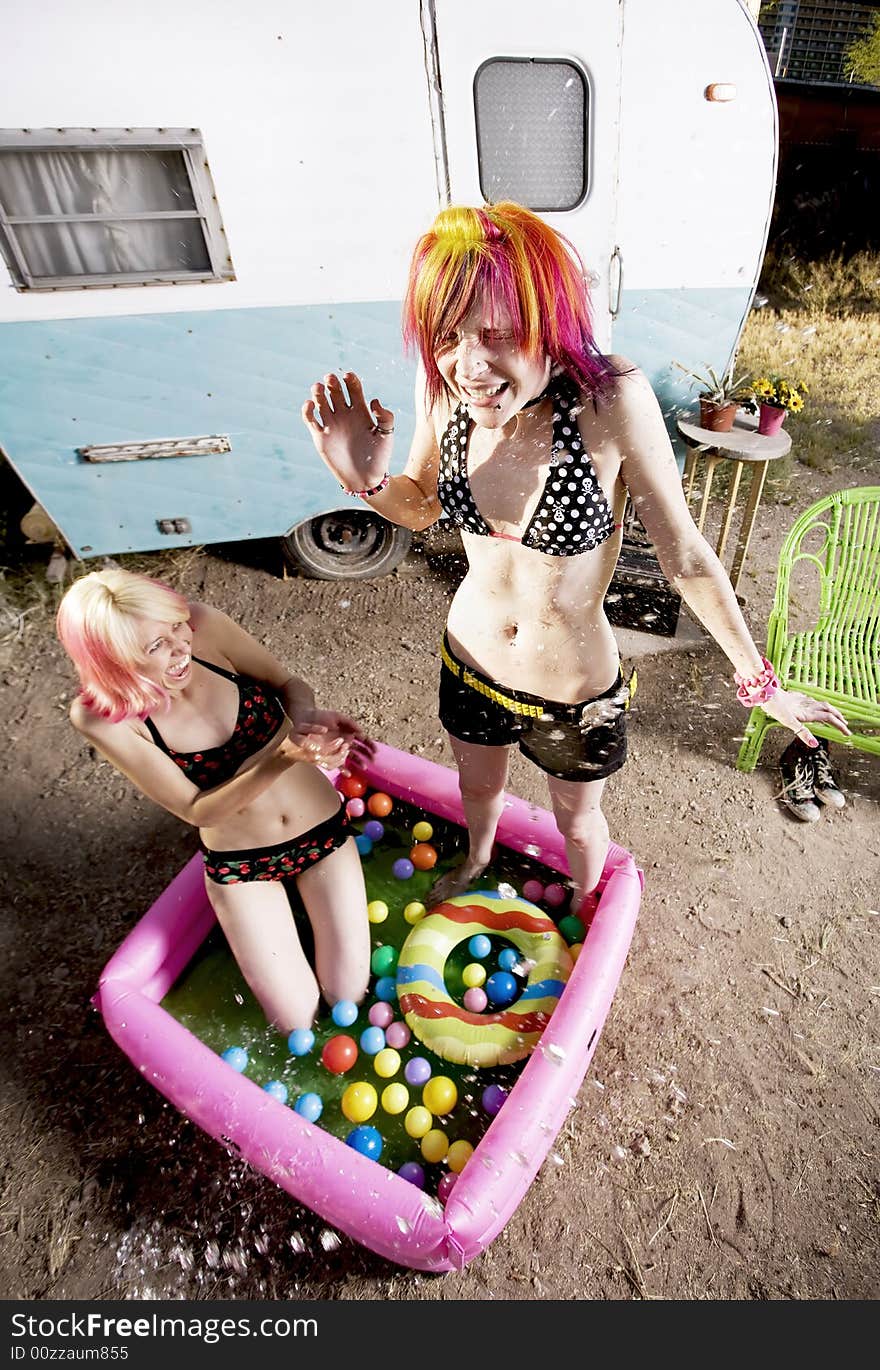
(724,1143)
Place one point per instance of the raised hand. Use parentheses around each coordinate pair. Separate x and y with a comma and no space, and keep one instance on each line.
(353,438)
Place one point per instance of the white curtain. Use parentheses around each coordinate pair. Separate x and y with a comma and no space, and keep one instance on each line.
(106,182)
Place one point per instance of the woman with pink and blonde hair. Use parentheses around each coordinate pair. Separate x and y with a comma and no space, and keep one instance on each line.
(205,722)
(529,438)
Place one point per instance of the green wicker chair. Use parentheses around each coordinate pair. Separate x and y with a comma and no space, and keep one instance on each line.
(838,659)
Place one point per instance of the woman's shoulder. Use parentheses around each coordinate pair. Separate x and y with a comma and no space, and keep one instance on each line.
(628,389)
(94,726)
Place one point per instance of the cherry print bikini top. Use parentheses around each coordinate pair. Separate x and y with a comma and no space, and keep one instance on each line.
(260,715)
(572,515)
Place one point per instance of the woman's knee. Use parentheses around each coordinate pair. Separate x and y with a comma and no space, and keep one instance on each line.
(584,827)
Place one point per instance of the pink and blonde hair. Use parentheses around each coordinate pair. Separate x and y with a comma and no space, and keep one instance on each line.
(505,255)
(98,626)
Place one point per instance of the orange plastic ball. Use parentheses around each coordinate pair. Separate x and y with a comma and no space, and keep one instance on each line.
(423,856)
(352,786)
(379,804)
(340,1053)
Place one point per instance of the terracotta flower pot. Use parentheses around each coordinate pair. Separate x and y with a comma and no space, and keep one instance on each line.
(770,419)
(718,418)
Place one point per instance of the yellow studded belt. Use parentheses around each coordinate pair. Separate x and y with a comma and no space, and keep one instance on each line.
(514,706)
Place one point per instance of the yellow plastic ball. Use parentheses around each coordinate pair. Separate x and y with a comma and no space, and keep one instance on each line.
(377,910)
(418,1121)
(414,911)
(422,832)
(395,1098)
(474,975)
(386,1062)
(575,950)
(440,1094)
(435,1145)
(359,1101)
(458,1155)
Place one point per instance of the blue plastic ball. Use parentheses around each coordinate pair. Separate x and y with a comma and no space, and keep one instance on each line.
(363,844)
(501,988)
(367,1140)
(412,1171)
(402,868)
(479,946)
(417,1070)
(278,1090)
(508,959)
(372,1040)
(344,1013)
(493,1099)
(236,1057)
(374,829)
(309,1106)
(300,1041)
(386,989)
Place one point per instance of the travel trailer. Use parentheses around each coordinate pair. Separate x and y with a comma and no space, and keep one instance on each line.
(206,207)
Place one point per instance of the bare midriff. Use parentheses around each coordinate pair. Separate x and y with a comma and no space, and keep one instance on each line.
(301,797)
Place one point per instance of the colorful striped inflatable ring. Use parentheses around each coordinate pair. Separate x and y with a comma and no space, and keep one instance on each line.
(480,1039)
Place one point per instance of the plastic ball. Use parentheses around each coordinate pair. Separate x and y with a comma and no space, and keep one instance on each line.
(458,1155)
(402,868)
(372,1040)
(418,1122)
(374,830)
(413,1172)
(414,911)
(395,1098)
(508,959)
(387,1062)
(386,989)
(422,831)
(501,988)
(383,960)
(363,844)
(434,1145)
(475,1000)
(300,1041)
(339,1053)
(423,856)
(397,1035)
(344,1012)
(440,1094)
(380,804)
(446,1185)
(359,1102)
(533,890)
(236,1057)
(474,975)
(493,1098)
(277,1089)
(572,928)
(380,1015)
(355,808)
(575,950)
(352,786)
(366,1140)
(555,894)
(377,910)
(309,1106)
(417,1071)
(479,946)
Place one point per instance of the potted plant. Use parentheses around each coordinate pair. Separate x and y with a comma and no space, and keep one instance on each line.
(777,397)
(721,396)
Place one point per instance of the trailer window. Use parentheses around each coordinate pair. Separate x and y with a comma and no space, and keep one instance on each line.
(84,208)
(532,120)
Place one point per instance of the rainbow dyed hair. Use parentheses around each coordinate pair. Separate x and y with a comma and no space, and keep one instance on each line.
(97,624)
(505,255)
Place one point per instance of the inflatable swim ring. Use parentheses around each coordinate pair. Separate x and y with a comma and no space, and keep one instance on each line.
(480,1039)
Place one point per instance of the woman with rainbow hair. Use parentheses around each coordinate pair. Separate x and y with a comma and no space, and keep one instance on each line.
(529,438)
(205,722)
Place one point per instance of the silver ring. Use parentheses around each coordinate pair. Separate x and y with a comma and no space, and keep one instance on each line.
(386,432)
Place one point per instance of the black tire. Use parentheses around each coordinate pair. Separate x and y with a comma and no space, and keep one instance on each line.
(346,544)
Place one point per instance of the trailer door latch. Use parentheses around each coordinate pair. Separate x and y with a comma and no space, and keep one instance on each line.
(174,525)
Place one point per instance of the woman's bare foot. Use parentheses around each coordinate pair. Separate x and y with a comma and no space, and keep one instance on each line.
(455,881)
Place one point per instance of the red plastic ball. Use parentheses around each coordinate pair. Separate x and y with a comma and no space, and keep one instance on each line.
(423,856)
(379,804)
(339,1054)
(352,786)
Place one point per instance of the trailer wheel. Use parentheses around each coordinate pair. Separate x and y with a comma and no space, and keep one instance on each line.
(346,544)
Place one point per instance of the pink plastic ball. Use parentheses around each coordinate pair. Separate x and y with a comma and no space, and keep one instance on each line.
(355,808)
(533,890)
(475,999)
(446,1185)
(555,895)
(397,1035)
(380,1015)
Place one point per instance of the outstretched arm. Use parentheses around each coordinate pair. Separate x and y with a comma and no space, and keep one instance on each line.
(650,472)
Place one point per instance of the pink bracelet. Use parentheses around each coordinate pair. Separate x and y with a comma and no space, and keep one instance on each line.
(365,494)
(756,689)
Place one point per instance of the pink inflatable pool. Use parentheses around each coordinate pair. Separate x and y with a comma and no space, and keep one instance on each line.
(376,1206)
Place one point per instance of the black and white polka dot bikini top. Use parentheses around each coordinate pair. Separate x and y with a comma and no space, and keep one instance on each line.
(572,515)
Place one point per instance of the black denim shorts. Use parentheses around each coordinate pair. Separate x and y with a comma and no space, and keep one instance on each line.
(583,741)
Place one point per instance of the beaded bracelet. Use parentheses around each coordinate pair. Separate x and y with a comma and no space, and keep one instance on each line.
(757,689)
(365,494)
